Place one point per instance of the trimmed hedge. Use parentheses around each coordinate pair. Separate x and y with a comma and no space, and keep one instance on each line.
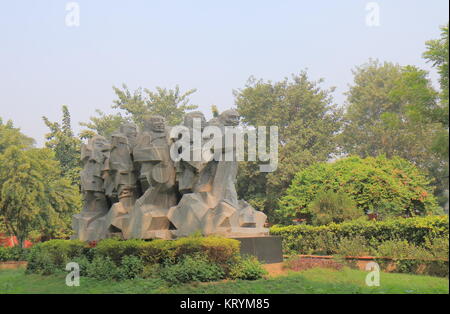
(15,253)
(306,239)
(125,259)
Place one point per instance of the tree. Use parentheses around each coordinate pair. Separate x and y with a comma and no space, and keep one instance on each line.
(33,194)
(307,121)
(389,187)
(9,136)
(104,125)
(172,104)
(387,112)
(329,206)
(65,145)
(437,53)
(390,111)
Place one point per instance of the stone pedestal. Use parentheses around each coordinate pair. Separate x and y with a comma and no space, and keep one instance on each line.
(267,249)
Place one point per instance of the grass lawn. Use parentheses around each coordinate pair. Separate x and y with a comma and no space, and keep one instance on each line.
(315,280)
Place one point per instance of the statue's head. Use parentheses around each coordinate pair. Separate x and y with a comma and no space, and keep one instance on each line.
(119,140)
(155,123)
(229,117)
(130,131)
(99,143)
(189,119)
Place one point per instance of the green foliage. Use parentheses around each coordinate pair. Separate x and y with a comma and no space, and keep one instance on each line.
(437,53)
(11,136)
(172,104)
(128,259)
(102,268)
(388,112)
(331,207)
(248,268)
(66,146)
(15,253)
(216,249)
(307,122)
(356,246)
(375,184)
(192,268)
(406,257)
(104,125)
(52,256)
(394,110)
(130,267)
(33,194)
(306,239)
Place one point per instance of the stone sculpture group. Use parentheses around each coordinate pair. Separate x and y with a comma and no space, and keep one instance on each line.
(134,190)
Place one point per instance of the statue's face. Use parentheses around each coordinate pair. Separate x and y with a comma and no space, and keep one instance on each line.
(189,120)
(155,124)
(230,118)
(129,130)
(118,141)
(101,144)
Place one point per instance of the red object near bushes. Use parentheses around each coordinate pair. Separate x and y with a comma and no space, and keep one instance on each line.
(10,241)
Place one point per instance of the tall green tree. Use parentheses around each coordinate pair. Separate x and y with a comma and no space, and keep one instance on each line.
(9,136)
(437,53)
(65,144)
(172,104)
(102,124)
(390,111)
(33,194)
(308,122)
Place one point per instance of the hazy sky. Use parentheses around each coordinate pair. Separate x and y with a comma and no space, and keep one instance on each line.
(211,45)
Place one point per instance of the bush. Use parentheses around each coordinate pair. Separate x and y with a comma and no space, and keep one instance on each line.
(248,268)
(216,249)
(15,253)
(331,207)
(52,256)
(303,239)
(192,268)
(356,246)
(127,259)
(409,258)
(373,183)
(102,268)
(131,267)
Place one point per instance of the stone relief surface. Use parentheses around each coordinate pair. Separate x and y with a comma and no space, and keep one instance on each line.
(133,188)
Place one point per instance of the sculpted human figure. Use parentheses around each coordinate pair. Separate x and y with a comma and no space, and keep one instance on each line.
(133,188)
(120,180)
(95,205)
(188,171)
(157,179)
(211,204)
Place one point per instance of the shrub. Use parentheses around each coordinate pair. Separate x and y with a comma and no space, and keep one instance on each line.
(40,262)
(192,268)
(331,207)
(216,249)
(248,268)
(356,246)
(52,256)
(115,249)
(131,267)
(15,253)
(102,268)
(409,258)
(297,263)
(303,239)
(373,183)
(127,259)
